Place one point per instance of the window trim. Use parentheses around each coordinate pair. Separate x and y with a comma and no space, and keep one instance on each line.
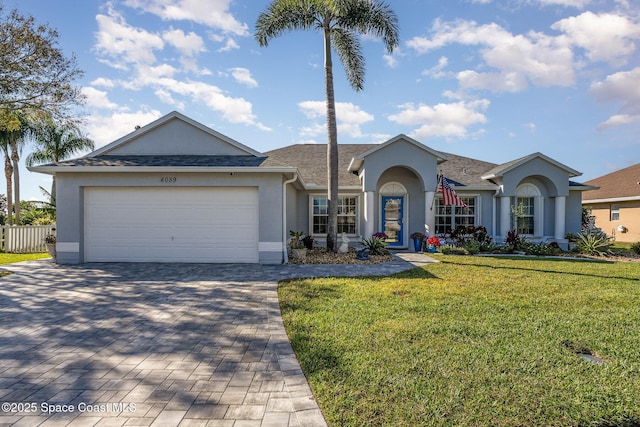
(340,195)
(614,209)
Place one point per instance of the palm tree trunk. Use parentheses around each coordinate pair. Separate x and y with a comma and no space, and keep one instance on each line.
(332,149)
(8,173)
(53,191)
(16,182)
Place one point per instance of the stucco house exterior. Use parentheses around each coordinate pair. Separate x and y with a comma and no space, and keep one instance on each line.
(615,203)
(178,191)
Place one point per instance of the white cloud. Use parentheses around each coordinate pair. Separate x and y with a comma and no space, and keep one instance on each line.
(243,76)
(165,96)
(214,14)
(436,70)
(104,82)
(621,88)
(229,46)
(188,44)
(605,37)
(124,43)
(519,59)
(350,117)
(531,127)
(618,120)
(445,120)
(234,110)
(106,129)
(580,4)
(98,98)
(390,60)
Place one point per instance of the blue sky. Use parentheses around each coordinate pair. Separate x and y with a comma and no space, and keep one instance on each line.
(493,80)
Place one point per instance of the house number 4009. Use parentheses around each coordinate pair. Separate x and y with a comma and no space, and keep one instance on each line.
(168,179)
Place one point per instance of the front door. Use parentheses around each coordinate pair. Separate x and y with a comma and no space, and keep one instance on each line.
(392,215)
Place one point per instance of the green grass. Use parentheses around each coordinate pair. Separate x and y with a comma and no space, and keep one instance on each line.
(472,341)
(11,258)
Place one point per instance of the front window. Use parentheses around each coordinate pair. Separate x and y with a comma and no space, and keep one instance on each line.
(450,217)
(526,215)
(347,207)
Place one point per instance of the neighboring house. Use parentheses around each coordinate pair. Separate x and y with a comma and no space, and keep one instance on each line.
(178,191)
(616,203)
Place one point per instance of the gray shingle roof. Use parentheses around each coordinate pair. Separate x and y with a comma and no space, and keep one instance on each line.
(311,161)
(160,161)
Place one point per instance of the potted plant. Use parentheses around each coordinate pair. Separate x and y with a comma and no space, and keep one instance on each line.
(433,243)
(417,237)
(298,250)
(50,240)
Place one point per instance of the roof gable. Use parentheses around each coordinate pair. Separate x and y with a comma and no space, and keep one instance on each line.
(358,160)
(175,134)
(502,169)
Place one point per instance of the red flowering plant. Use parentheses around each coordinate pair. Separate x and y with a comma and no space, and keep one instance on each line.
(433,241)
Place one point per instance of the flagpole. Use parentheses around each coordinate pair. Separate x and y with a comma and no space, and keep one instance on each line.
(433,202)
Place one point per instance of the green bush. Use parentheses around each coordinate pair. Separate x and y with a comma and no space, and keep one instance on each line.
(594,243)
(539,249)
(635,247)
(376,246)
(453,250)
(472,246)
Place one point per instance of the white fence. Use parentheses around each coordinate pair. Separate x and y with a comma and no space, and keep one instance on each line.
(25,239)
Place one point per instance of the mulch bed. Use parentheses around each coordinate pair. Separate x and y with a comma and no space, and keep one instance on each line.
(321,256)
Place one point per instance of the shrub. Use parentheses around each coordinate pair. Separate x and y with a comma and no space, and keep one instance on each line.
(453,250)
(376,245)
(635,247)
(472,247)
(380,235)
(593,243)
(463,234)
(539,249)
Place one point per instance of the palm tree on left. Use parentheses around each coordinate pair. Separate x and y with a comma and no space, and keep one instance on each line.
(56,142)
(13,133)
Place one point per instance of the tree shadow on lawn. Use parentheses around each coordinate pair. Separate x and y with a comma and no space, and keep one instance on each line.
(540,270)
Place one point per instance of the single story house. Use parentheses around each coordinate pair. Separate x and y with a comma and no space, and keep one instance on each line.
(178,191)
(616,203)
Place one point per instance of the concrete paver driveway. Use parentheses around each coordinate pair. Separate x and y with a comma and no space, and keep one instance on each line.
(153,344)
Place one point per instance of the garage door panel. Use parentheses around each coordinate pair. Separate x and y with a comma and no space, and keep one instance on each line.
(171,224)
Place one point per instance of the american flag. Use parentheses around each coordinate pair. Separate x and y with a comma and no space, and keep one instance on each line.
(448,195)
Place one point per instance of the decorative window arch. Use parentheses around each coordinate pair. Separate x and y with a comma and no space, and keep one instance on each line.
(393,189)
(529,210)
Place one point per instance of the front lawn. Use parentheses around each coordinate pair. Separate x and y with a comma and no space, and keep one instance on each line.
(472,341)
(11,258)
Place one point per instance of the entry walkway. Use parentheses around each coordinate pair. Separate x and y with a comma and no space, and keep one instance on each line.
(154,344)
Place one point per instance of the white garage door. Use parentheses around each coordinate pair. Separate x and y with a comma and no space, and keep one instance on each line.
(186,224)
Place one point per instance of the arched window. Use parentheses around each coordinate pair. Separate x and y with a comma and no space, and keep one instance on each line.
(528,210)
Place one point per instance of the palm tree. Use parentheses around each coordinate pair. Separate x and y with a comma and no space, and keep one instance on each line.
(56,142)
(340,21)
(8,172)
(12,137)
